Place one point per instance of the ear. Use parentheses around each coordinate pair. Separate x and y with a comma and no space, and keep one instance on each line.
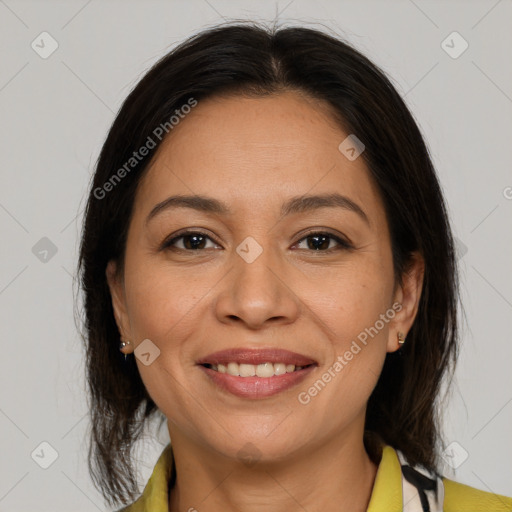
(117,292)
(408,295)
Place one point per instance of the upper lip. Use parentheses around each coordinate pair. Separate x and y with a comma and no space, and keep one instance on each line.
(256,356)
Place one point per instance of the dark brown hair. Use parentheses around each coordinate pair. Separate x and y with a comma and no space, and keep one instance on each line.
(250,59)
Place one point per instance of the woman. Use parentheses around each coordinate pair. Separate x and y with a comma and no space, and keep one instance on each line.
(268,266)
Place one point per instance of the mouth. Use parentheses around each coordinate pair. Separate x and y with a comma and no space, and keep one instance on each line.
(248,362)
(256,373)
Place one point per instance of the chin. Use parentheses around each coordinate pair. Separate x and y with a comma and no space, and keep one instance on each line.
(259,446)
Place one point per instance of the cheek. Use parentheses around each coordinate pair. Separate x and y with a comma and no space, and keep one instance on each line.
(351,298)
(161,299)
(164,308)
(357,346)
(356,311)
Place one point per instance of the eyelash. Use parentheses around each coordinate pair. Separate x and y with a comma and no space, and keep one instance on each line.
(343,244)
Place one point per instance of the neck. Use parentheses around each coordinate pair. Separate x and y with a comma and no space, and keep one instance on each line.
(336,476)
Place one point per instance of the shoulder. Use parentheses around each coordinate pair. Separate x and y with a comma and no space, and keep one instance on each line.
(136,506)
(133,507)
(155,496)
(454,496)
(462,498)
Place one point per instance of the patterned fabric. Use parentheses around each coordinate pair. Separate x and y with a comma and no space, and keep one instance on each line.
(422,491)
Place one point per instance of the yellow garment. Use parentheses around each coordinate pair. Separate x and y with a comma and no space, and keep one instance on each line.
(386,495)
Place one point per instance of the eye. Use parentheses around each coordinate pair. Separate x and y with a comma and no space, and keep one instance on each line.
(317,241)
(321,241)
(190,241)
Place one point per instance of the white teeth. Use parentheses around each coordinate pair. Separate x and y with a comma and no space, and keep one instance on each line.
(277,368)
(247,370)
(233,369)
(259,370)
(266,370)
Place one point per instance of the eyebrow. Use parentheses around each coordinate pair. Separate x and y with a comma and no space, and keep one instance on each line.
(297,204)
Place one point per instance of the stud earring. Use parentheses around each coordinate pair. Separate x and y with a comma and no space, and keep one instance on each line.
(122,345)
(401,338)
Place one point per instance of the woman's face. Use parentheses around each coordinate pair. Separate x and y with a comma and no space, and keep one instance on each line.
(267,273)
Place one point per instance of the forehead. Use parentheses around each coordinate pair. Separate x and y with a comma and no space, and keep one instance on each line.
(257,151)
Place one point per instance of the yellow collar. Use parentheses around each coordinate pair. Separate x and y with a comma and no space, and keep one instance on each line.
(386,495)
(387,488)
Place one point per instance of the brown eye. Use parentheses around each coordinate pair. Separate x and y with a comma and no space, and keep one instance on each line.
(190,241)
(319,241)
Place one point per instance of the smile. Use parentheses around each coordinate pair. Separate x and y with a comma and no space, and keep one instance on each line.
(251,370)
(255,387)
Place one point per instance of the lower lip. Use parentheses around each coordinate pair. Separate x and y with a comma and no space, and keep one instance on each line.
(257,387)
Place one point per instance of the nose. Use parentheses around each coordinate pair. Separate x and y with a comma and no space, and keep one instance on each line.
(257,292)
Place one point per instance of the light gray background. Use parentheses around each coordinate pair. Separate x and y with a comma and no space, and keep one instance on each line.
(55,113)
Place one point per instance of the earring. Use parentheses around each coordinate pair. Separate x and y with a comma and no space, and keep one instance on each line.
(401,338)
(122,345)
